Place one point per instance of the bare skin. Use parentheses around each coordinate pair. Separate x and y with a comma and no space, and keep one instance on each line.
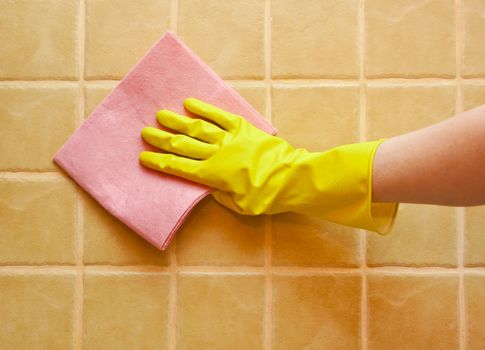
(443,164)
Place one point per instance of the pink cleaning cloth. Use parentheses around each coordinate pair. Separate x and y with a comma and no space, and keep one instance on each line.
(102,155)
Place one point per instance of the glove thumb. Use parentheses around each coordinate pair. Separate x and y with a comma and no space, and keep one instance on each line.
(226,200)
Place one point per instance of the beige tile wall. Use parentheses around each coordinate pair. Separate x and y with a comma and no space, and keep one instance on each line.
(325,73)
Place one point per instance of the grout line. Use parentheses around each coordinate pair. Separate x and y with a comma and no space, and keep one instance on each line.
(32,176)
(172,318)
(174,269)
(268,273)
(242,270)
(40,83)
(174,8)
(362,137)
(460,212)
(391,81)
(268,226)
(79,234)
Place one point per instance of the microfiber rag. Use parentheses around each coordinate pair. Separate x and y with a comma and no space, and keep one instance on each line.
(102,155)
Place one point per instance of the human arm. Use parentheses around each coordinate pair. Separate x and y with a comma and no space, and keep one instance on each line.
(442,164)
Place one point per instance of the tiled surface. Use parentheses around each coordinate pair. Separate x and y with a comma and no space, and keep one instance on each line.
(325,73)
(475,236)
(39,39)
(299,240)
(314,39)
(473,34)
(119,32)
(114,304)
(475,309)
(235,240)
(423,235)
(37,310)
(37,221)
(410,38)
(316,117)
(316,312)
(220,311)
(107,241)
(413,312)
(396,109)
(32,130)
(228,35)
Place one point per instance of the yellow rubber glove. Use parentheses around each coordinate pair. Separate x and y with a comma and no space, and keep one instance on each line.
(255,173)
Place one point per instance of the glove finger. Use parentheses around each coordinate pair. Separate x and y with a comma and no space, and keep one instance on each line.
(226,200)
(197,128)
(226,120)
(178,143)
(171,164)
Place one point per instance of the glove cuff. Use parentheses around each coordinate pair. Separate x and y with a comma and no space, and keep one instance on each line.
(343,191)
(381,216)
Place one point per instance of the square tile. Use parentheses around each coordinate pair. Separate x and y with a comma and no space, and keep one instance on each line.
(316,117)
(223,311)
(474,32)
(316,312)
(473,95)
(314,39)
(108,241)
(475,236)
(125,311)
(37,310)
(395,110)
(35,122)
(227,35)
(300,240)
(215,235)
(413,312)
(37,222)
(254,95)
(39,39)
(423,235)
(409,38)
(95,94)
(474,311)
(120,32)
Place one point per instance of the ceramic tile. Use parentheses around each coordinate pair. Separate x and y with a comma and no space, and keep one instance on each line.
(473,95)
(120,32)
(215,235)
(254,95)
(108,241)
(227,35)
(37,310)
(35,122)
(300,240)
(412,312)
(314,39)
(475,311)
(410,38)
(95,94)
(423,235)
(316,312)
(315,117)
(395,110)
(475,235)
(39,39)
(37,222)
(474,32)
(220,311)
(307,39)
(125,311)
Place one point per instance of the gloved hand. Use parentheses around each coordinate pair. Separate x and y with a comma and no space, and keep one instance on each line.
(253,172)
